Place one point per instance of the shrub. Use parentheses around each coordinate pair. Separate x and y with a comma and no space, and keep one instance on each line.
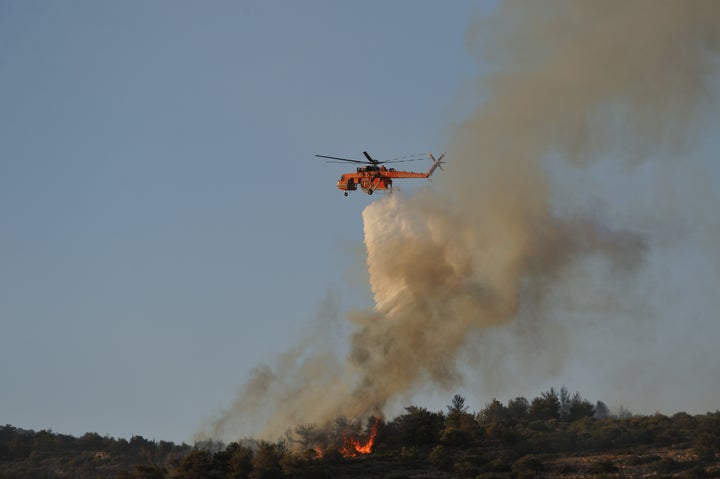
(602,467)
(457,438)
(636,460)
(440,456)
(408,454)
(528,464)
(499,464)
(697,472)
(666,465)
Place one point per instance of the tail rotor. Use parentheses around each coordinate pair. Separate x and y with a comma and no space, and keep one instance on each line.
(439,161)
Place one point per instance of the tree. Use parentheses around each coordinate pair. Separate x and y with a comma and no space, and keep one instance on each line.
(565,402)
(460,426)
(420,426)
(579,408)
(234,462)
(494,412)
(624,413)
(197,463)
(545,407)
(44,441)
(240,462)
(601,410)
(517,409)
(457,405)
(147,472)
(307,433)
(19,447)
(267,459)
(91,440)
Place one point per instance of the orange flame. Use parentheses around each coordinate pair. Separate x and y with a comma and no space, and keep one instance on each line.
(352,447)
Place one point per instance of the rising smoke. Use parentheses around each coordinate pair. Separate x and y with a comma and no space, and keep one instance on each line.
(506,245)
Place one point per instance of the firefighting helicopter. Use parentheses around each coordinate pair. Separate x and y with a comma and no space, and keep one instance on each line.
(373,177)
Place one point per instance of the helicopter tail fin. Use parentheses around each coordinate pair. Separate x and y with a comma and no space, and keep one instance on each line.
(437,163)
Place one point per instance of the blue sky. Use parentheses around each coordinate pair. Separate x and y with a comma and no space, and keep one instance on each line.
(164,226)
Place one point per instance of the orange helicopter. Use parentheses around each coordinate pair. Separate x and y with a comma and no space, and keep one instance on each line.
(374,177)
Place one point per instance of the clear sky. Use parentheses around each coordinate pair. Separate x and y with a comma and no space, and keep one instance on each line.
(164,226)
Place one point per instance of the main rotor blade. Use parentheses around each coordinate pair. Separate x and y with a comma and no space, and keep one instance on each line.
(401,161)
(341,159)
(415,156)
(374,162)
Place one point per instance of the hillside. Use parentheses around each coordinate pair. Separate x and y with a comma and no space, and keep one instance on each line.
(44,454)
(553,436)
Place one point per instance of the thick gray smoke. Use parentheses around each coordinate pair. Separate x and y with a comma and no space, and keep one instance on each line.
(495,263)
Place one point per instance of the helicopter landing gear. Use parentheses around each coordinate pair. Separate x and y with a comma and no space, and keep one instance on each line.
(346,193)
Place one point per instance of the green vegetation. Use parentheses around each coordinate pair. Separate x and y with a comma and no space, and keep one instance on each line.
(552,435)
(44,454)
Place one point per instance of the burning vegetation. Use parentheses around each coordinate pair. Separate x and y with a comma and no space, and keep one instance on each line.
(342,436)
(353,446)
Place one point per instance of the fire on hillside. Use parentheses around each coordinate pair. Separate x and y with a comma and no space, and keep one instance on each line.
(353,446)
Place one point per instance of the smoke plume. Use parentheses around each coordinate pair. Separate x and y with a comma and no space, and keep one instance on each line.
(491,266)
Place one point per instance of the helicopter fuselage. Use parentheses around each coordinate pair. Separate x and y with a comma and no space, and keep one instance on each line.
(371,178)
